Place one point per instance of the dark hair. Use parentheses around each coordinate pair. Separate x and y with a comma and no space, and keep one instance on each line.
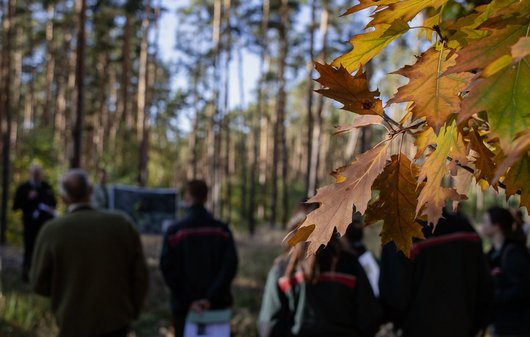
(505,220)
(75,185)
(198,190)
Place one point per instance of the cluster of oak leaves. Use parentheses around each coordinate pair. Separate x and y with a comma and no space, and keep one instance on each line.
(468,112)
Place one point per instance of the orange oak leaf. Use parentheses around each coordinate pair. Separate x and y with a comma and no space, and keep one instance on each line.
(353,188)
(482,157)
(435,97)
(396,203)
(359,122)
(352,91)
(449,144)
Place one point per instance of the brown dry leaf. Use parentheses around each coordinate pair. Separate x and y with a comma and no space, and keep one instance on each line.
(359,122)
(482,157)
(354,188)
(396,204)
(352,91)
(435,97)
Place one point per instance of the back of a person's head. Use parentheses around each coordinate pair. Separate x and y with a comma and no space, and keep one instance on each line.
(75,186)
(503,218)
(452,223)
(313,265)
(197,190)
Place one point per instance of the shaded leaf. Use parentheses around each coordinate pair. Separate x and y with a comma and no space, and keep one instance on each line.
(396,204)
(435,97)
(424,139)
(521,48)
(504,97)
(479,53)
(359,122)
(520,147)
(353,188)
(352,91)
(368,45)
(517,180)
(482,157)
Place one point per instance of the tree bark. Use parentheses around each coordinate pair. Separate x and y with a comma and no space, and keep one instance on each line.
(6,106)
(280,149)
(77,131)
(309,98)
(142,131)
(256,144)
(50,64)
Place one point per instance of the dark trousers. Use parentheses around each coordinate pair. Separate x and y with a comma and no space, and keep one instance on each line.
(179,321)
(31,231)
(117,333)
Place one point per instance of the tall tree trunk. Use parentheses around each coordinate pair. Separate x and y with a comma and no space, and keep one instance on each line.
(258,120)
(309,98)
(317,131)
(279,149)
(77,130)
(124,113)
(142,131)
(214,148)
(50,64)
(227,205)
(5,104)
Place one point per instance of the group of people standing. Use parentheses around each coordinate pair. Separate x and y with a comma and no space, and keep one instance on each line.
(90,262)
(448,286)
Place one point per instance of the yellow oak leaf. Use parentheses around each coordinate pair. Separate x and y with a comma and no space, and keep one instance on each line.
(435,97)
(368,45)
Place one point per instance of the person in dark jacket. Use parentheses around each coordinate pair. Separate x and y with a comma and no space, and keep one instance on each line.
(444,289)
(510,268)
(327,295)
(199,259)
(91,265)
(37,201)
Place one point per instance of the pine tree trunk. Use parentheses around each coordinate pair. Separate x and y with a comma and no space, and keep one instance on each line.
(142,131)
(309,98)
(317,131)
(77,131)
(6,106)
(280,149)
(50,65)
(257,127)
(124,113)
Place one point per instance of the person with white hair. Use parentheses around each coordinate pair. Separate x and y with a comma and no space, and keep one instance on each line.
(36,200)
(91,265)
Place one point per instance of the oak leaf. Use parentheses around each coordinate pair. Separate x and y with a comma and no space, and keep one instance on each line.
(520,147)
(504,97)
(353,188)
(482,157)
(359,122)
(517,180)
(480,53)
(350,90)
(449,144)
(396,203)
(521,48)
(435,97)
(368,45)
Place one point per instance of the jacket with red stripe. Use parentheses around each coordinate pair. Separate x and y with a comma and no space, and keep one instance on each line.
(199,260)
(444,289)
(340,304)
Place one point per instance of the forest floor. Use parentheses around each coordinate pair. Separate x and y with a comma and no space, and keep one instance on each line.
(23,314)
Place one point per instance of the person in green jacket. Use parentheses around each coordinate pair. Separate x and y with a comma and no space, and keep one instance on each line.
(326,295)
(91,265)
